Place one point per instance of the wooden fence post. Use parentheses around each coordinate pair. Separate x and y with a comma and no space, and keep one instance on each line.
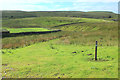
(96,51)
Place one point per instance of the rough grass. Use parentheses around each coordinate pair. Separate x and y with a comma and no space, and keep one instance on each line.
(82,34)
(91,14)
(38,22)
(90,26)
(47,22)
(70,55)
(50,60)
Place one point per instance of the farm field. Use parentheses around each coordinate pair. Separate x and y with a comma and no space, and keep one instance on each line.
(52,60)
(19,30)
(65,54)
(46,22)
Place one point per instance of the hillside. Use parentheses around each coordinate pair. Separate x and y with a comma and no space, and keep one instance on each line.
(82,30)
(48,22)
(94,14)
(69,53)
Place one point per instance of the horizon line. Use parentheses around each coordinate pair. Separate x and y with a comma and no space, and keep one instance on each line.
(59,11)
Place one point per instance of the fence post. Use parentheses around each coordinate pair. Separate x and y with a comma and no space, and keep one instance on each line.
(96,51)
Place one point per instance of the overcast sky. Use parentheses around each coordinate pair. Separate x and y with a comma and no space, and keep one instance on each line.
(60,5)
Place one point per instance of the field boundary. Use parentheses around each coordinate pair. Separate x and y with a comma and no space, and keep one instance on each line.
(8,34)
(68,24)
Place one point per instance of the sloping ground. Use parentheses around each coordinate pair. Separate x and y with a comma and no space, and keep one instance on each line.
(84,32)
(47,22)
(89,26)
(95,14)
(53,60)
(38,22)
(70,55)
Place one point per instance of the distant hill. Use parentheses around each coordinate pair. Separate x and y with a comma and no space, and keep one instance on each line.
(92,14)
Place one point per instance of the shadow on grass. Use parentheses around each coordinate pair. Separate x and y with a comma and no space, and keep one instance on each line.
(99,59)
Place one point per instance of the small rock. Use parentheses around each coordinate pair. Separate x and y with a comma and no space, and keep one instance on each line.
(89,54)
(58,77)
(56,74)
(74,52)
(4,64)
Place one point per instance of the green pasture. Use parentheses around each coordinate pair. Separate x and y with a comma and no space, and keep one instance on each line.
(37,22)
(46,22)
(52,60)
(65,54)
(19,30)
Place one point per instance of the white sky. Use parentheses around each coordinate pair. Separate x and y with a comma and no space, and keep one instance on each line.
(27,5)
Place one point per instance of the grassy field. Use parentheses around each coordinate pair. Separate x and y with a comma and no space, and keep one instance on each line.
(19,30)
(51,59)
(65,54)
(47,22)
(37,22)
